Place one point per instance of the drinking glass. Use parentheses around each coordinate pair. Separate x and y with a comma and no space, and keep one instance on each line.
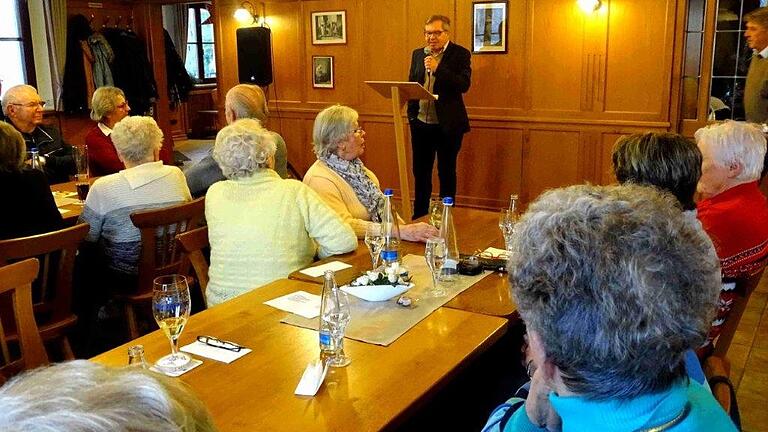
(507,221)
(80,156)
(435,211)
(434,253)
(170,307)
(336,316)
(375,241)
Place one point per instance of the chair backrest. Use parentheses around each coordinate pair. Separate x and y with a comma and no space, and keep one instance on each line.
(743,289)
(192,243)
(16,279)
(160,254)
(56,251)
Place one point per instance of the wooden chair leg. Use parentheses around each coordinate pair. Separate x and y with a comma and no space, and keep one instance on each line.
(133,327)
(66,349)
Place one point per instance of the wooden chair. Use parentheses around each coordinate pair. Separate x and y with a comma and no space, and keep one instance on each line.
(16,279)
(192,243)
(159,252)
(52,292)
(744,289)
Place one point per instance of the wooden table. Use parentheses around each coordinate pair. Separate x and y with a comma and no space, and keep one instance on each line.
(73,210)
(476,230)
(380,388)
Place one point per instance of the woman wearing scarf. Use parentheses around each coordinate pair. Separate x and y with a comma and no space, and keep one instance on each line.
(341,179)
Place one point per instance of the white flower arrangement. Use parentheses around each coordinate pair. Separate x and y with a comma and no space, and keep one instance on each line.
(394,274)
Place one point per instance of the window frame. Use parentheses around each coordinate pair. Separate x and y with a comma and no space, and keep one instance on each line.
(25,39)
(200,78)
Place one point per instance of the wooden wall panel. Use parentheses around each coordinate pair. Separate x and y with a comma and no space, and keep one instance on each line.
(288,39)
(636,31)
(550,159)
(491,159)
(606,149)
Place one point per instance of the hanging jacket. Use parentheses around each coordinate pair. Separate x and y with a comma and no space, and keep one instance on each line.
(131,69)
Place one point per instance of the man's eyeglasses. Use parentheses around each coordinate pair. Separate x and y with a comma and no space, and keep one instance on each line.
(41,104)
(218,343)
(436,33)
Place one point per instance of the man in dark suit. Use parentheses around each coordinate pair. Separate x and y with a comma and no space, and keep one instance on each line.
(438,126)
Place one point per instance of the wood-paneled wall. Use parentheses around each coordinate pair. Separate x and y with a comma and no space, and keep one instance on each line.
(544,114)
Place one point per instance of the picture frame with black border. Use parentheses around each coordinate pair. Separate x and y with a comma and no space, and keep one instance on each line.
(489,27)
(329,27)
(322,72)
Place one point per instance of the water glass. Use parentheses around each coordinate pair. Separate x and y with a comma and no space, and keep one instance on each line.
(82,174)
(435,211)
(435,253)
(374,239)
(335,314)
(170,307)
(507,221)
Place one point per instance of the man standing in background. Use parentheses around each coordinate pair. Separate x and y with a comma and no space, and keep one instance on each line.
(756,90)
(438,126)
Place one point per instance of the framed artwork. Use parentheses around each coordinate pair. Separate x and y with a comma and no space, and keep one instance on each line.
(322,72)
(329,28)
(489,27)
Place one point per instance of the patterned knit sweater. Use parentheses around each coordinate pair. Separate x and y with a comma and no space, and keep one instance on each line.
(262,228)
(113,198)
(756,90)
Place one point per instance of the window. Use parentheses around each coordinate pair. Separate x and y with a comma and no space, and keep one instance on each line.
(17,66)
(201,59)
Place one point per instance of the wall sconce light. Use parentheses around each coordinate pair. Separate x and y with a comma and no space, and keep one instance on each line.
(246,12)
(589,6)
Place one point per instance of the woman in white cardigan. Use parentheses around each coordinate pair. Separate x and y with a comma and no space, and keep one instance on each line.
(262,227)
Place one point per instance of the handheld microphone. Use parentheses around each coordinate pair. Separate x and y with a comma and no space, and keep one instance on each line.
(428,51)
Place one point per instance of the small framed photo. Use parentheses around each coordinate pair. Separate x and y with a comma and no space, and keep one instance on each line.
(329,28)
(489,27)
(322,72)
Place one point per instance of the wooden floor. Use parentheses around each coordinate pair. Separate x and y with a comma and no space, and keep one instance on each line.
(749,361)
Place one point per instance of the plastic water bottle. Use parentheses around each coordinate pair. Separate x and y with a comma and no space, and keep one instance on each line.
(35,159)
(390,230)
(448,232)
(513,204)
(324,329)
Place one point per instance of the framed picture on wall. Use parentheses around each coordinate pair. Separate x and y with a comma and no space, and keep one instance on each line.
(322,72)
(489,27)
(329,27)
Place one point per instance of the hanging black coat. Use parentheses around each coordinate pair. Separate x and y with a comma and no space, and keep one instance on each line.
(131,70)
(74,88)
(179,81)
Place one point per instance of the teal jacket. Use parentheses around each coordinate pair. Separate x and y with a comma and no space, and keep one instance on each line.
(641,413)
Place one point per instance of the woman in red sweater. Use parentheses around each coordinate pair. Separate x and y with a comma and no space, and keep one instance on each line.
(108,107)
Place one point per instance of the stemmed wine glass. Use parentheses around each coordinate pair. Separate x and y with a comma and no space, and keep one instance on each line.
(170,307)
(434,253)
(335,314)
(375,241)
(507,221)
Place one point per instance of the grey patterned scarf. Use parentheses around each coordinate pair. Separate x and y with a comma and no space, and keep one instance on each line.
(353,173)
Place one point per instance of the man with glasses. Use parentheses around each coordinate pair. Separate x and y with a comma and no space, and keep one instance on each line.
(438,126)
(23,108)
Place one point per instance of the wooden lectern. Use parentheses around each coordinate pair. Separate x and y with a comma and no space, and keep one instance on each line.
(397,91)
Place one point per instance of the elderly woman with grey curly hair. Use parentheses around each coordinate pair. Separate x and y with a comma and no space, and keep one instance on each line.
(108,106)
(341,179)
(84,396)
(145,183)
(262,227)
(614,284)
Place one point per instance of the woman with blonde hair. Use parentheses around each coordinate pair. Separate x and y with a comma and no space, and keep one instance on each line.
(243,101)
(35,211)
(109,107)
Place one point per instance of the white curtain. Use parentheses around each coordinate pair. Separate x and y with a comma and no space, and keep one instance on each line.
(56,33)
(176,21)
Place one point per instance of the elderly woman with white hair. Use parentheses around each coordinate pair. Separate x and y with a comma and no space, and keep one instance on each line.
(145,183)
(84,396)
(733,211)
(108,107)
(262,227)
(341,179)
(614,284)
(243,101)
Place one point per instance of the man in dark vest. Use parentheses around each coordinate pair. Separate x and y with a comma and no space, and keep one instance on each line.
(23,108)
(438,126)
(756,90)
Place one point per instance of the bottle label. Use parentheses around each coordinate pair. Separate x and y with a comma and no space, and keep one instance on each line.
(389,255)
(450,264)
(325,339)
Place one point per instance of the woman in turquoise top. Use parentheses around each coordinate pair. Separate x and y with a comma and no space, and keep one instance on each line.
(614,284)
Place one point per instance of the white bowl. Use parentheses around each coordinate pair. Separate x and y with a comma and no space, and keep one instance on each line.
(375,293)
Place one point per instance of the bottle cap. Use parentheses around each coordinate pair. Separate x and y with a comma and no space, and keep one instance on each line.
(448,201)
(388,192)
(33,149)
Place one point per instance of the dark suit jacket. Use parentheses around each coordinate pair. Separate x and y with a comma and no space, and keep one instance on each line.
(452,78)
